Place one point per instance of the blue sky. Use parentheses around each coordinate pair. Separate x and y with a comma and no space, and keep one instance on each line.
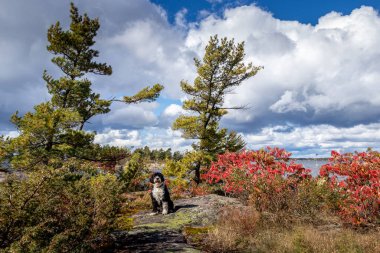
(319,89)
(300,10)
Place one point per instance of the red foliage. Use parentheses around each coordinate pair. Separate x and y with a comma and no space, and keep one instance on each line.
(259,170)
(357,177)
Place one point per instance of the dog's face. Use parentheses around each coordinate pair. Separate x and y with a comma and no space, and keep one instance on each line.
(157,178)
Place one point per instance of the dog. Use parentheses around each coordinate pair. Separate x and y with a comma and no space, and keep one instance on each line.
(160,195)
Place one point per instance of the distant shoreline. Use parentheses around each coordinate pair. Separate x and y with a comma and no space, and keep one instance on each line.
(309,158)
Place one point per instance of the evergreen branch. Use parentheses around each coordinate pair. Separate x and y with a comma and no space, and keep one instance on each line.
(147,94)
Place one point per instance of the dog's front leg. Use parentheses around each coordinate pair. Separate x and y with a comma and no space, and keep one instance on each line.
(154,205)
(165,207)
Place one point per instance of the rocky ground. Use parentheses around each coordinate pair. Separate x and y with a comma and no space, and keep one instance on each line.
(166,233)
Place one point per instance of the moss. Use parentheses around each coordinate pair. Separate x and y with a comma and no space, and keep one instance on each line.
(180,219)
(176,222)
(188,230)
(125,222)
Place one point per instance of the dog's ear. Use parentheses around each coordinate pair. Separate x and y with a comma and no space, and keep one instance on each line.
(162,177)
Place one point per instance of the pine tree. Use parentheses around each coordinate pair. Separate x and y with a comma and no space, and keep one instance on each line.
(233,142)
(46,135)
(76,59)
(221,70)
(133,169)
(54,131)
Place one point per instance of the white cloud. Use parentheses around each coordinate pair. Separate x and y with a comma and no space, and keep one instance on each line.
(151,53)
(23,28)
(317,138)
(153,137)
(120,138)
(287,103)
(173,110)
(169,114)
(301,141)
(131,116)
(166,138)
(317,71)
(322,74)
(180,18)
(10,134)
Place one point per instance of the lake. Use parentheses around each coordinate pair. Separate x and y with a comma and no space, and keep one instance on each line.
(313,164)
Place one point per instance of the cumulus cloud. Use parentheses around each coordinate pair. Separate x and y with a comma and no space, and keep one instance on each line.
(169,114)
(23,27)
(180,18)
(317,139)
(153,137)
(173,110)
(118,137)
(166,138)
(151,53)
(129,116)
(313,74)
(287,103)
(316,77)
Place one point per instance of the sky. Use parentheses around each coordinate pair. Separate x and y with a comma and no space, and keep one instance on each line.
(319,89)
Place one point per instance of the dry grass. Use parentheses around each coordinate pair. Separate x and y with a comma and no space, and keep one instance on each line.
(234,226)
(246,230)
(306,201)
(137,200)
(310,239)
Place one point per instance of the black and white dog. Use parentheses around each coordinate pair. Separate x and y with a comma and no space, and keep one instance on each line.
(160,195)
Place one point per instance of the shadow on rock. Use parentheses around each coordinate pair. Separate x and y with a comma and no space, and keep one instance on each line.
(177,207)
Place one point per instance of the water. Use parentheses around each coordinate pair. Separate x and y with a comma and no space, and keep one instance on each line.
(313,164)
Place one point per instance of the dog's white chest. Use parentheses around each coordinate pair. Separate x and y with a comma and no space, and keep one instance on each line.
(158,194)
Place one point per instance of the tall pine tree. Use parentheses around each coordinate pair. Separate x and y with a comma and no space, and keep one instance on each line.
(221,70)
(54,131)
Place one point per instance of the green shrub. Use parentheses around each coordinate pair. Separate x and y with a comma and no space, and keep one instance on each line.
(135,173)
(58,211)
(177,171)
(181,170)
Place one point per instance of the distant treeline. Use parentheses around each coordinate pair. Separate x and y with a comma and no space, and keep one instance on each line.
(158,155)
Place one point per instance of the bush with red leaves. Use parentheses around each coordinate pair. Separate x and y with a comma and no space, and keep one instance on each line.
(263,170)
(357,177)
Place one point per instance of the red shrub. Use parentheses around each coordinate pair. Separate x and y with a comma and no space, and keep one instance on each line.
(357,178)
(260,171)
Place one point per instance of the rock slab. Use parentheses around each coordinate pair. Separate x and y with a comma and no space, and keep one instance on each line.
(163,233)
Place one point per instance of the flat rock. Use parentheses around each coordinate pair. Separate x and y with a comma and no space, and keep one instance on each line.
(163,233)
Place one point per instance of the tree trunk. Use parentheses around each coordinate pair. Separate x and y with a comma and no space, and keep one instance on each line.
(197,169)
